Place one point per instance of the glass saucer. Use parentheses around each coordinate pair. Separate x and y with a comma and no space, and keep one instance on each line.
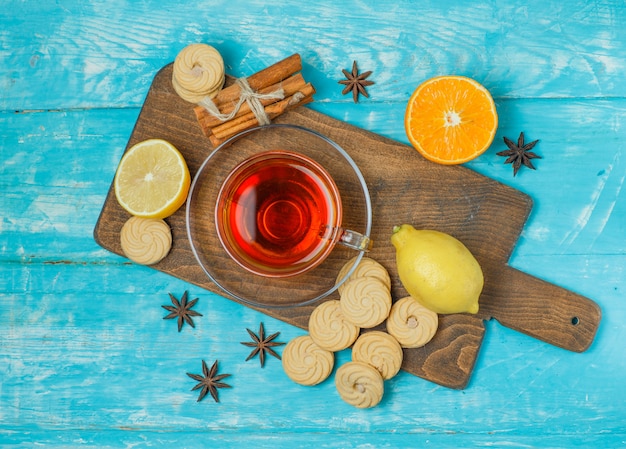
(229,276)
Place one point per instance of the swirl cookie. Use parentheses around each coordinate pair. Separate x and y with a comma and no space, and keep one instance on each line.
(365,301)
(198,72)
(367,267)
(412,324)
(305,362)
(379,350)
(359,384)
(146,241)
(330,329)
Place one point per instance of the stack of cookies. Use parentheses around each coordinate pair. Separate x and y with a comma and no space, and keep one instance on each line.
(365,302)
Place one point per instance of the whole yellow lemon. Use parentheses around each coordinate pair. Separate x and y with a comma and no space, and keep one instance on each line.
(437,270)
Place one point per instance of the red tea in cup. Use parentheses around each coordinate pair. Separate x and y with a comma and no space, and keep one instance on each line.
(278,214)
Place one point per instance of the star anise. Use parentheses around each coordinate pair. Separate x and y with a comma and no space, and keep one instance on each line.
(182,310)
(262,344)
(209,383)
(355,82)
(519,153)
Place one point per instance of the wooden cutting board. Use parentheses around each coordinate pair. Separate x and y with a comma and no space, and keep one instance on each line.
(405,188)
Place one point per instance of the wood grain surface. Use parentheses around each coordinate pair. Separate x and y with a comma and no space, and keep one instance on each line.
(86,358)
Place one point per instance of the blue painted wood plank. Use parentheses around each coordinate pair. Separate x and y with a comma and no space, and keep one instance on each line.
(286,439)
(576,189)
(56,170)
(76,357)
(90,55)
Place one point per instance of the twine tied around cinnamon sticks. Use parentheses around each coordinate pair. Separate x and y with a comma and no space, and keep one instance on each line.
(235,115)
(249,96)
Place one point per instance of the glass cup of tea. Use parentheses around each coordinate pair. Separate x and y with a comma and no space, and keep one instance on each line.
(275,213)
(279,214)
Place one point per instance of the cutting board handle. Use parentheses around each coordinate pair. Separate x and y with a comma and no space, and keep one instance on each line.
(542,310)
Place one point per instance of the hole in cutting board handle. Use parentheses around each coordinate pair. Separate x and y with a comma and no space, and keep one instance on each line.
(540,309)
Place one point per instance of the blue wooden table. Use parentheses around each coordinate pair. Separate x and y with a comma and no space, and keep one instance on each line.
(86,359)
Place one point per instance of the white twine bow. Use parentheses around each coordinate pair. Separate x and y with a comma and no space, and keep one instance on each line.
(247,95)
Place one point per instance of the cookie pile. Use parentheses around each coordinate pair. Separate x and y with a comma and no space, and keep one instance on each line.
(365,302)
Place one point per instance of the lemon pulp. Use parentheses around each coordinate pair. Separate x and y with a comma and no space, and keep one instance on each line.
(152,179)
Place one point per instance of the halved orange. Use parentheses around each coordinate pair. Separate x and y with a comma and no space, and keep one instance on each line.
(152,179)
(451,119)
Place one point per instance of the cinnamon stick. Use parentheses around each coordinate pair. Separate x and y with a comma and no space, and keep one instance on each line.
(215,141)
(282,74)
(228,129)
(290,86)
(266,77)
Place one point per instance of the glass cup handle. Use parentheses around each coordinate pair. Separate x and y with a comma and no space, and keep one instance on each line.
(354,240)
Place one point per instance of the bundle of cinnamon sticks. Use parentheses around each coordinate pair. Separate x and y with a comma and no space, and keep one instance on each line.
(282,75)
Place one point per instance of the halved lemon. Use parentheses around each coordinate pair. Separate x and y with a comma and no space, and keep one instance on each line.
(152,179)
(451,119)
